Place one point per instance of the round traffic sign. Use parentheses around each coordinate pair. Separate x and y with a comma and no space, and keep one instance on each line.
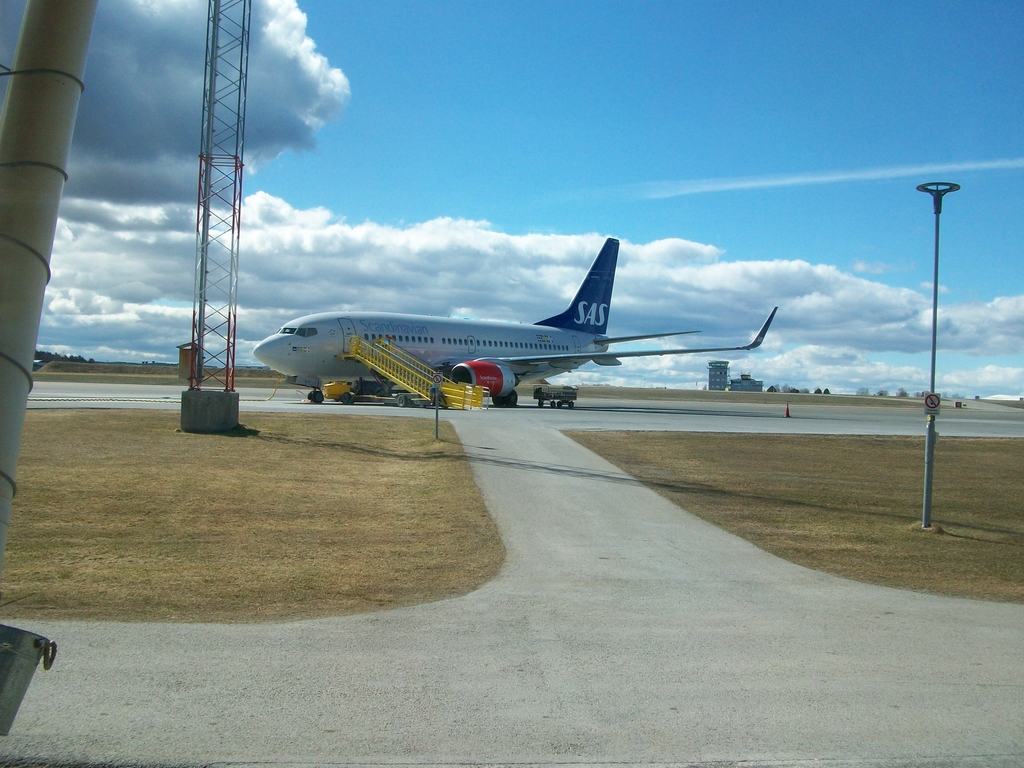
(931,401)
(438,378)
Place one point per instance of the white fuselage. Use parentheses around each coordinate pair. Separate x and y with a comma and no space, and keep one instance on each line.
(311,346)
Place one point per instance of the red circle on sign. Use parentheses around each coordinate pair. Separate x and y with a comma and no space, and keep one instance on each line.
(931,401)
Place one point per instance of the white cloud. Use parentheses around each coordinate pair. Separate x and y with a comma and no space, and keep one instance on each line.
(137,133)
(284,38)
(871,267)
(122,280)
(663,189)
(988,378)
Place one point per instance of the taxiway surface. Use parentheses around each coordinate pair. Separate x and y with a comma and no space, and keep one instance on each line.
(977,419)
(620,630)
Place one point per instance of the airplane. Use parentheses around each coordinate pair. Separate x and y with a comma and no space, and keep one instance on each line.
(493,354)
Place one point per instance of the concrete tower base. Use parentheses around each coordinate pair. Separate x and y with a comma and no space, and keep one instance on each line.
(208,411)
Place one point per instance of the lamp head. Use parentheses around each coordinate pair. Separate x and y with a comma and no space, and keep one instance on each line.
(937,189)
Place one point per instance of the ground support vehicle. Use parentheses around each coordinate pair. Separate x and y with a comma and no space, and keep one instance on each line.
(555,396)
(365,391)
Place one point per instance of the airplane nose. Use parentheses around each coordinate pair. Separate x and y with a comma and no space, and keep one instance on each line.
(264,351)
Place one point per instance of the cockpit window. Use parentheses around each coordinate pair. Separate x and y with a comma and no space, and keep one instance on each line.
(287,330)
(306,332)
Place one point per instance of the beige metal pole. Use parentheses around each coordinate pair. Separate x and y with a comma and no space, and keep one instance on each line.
(38,120)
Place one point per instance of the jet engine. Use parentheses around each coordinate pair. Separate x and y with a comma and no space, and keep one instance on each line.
(496,377)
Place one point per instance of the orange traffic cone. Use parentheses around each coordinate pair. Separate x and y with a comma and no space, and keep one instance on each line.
(787,410)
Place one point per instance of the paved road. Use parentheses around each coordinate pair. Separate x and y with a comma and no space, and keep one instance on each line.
(978,419)
(620,630)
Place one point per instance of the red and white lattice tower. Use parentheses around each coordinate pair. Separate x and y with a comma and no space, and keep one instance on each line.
(218,221)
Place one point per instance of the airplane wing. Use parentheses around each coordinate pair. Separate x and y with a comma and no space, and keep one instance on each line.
(620,339)
(571,360)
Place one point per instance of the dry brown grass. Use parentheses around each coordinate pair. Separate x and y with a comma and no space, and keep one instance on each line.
(849,505)
(121,517)
(125,373)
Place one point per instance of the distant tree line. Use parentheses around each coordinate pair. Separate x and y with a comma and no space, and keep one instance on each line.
(863,391)
(49,357)
(788,390)
(901,392)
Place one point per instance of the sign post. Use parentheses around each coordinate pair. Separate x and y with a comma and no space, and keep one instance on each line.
(438,379)
(931,410)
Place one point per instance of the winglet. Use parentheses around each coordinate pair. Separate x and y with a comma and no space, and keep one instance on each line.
(761,334)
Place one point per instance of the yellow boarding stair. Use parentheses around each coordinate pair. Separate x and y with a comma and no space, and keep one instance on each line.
(394,363)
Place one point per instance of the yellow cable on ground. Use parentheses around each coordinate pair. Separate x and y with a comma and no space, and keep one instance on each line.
(280,378)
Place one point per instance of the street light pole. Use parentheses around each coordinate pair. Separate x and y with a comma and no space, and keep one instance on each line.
(937,189)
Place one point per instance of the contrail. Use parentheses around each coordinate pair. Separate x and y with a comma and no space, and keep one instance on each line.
(660,189)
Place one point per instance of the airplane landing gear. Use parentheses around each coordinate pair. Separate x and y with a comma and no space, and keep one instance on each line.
(316,396)
(511,400)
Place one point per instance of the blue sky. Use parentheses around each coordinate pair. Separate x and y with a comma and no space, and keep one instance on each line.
(543,117)
(469,159)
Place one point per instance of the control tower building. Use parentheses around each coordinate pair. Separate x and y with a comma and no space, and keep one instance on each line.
(718,375)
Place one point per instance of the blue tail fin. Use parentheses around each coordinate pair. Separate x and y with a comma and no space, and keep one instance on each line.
(588,312)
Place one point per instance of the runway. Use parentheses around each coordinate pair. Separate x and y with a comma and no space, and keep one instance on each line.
(976,419)
(621,630)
